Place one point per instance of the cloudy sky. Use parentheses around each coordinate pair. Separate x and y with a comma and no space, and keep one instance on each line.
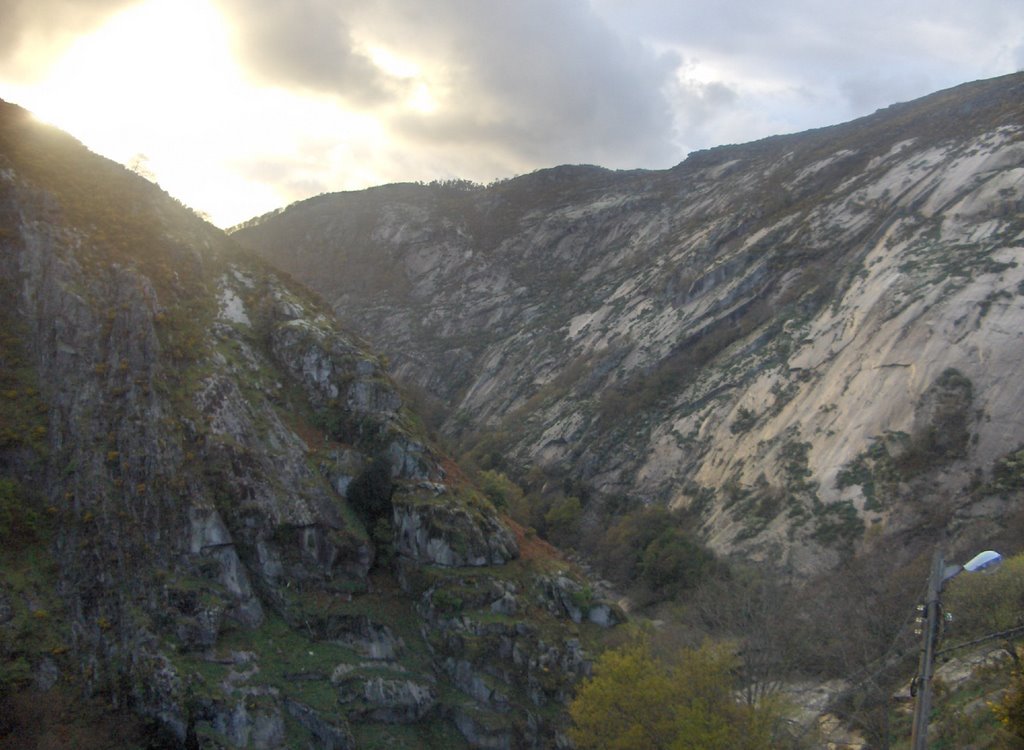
(241,106)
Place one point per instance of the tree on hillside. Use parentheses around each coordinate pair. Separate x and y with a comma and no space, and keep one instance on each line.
(652,550)
(986,603)
(755,610)
(626,705)
(634,701)
(855,622)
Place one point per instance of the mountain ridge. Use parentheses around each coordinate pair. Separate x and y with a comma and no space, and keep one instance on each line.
(663,334)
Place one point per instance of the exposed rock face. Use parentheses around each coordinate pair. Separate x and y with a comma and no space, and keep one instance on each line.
(563,596)
(328,734)
(495,655)
(216,479)
(392,701)
(435,532)
(778,335)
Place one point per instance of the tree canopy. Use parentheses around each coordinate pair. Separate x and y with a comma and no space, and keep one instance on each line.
(637,702)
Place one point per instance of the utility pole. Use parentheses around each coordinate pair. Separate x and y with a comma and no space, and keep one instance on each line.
(930,634)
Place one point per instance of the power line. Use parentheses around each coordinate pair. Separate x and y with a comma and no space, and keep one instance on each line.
(976,641)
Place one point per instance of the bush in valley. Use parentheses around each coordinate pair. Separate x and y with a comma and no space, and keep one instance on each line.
(648,547)
(620,549)
(636,700)
(562,521)
(651,547)
(673,562)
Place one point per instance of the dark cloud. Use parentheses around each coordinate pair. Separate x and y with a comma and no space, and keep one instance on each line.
(546,80)
(306,44)
(864,54)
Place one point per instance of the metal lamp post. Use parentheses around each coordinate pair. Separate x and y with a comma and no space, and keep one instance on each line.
(930,632)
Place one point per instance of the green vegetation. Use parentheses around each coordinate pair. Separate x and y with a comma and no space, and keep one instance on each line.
(756,507)
(838,524)
(986,602)
(669,376)
(745,420)
(1007,474)
(562,521)
(796,466)
(31,622)
(964,715)
(432,735)
(503,493)
(897,457)
(848,623)
(873,471)
(652,552)
(554,510)
(673,562)
(945,436)
(782,394)
(636,700)
(648,550)
(298,655)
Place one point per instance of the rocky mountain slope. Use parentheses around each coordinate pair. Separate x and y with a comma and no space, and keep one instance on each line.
(814,342)
(216,510)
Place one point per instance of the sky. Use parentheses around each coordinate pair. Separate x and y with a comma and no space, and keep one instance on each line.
(239,107)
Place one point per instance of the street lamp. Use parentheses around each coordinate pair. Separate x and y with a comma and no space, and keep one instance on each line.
(931,617)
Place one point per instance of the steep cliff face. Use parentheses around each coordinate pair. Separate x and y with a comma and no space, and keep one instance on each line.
(214,506)
(798,339)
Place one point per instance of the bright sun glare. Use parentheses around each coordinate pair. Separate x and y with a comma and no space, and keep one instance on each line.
(158,80)
(134,71)
(123,89)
